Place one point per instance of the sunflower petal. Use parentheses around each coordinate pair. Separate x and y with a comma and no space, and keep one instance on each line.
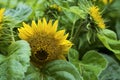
(54,28)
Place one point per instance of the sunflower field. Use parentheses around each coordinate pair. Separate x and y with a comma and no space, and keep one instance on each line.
(59,40)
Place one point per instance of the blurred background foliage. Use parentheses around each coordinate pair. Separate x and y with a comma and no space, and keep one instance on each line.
(88,40)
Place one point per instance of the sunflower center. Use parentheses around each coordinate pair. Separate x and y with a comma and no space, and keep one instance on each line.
(41,54)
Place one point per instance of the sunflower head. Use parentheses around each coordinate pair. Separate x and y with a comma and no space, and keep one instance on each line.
(55,6)
(95,14)
(46,42)
(1,15)
(107,1)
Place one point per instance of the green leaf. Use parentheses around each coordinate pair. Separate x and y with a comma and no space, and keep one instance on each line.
(117,27)
(55,70)
(94,63)
(62,70)
(14,66)
(112,72)
(71,16)
(20,13)
(32,73)
(76,10)
(61,3)
(74,13)
(114,10)
(90,66)
(2,58)
(109,33)
(111,44)
(73,55)
(8,3)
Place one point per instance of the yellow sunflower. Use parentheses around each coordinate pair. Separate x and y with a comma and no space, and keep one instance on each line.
(55,6)
(95,14)
(107,1)
(46,42)
(1,15)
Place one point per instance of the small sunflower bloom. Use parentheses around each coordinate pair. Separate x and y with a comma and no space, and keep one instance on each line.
(1,15)
(47,44)
(107,1)
(95,14)
(55,6)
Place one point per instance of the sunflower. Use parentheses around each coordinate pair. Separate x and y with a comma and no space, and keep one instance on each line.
(47,44)
(1,15)
(55,6)
(95,14)
(107,1)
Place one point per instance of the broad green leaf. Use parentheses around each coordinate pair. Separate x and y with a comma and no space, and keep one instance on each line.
(33,76)
(109,33)
(15,64)
(20,13)
(91,65)
(61,3)
(74,13)
(112,72)
(73,55)
(61,70)
(38,8)
(32,73)
(76,10)
(71,17)
(110,43)
(55,70)
(114,10)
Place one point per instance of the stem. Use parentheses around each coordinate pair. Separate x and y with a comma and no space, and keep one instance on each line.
(72,30)
(78,31)
(12,35)
(42,77)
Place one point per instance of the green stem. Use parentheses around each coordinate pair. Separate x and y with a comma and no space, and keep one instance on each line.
(72,30)
(42,76)
(12,35)
(77,32)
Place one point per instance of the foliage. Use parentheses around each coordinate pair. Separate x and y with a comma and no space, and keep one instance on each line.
(90,66)
(56,70)
(109,40)
(112,71)
(94,55)
(15,64)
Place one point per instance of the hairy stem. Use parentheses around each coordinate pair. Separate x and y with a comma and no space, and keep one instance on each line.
(12,35)
(72,30)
